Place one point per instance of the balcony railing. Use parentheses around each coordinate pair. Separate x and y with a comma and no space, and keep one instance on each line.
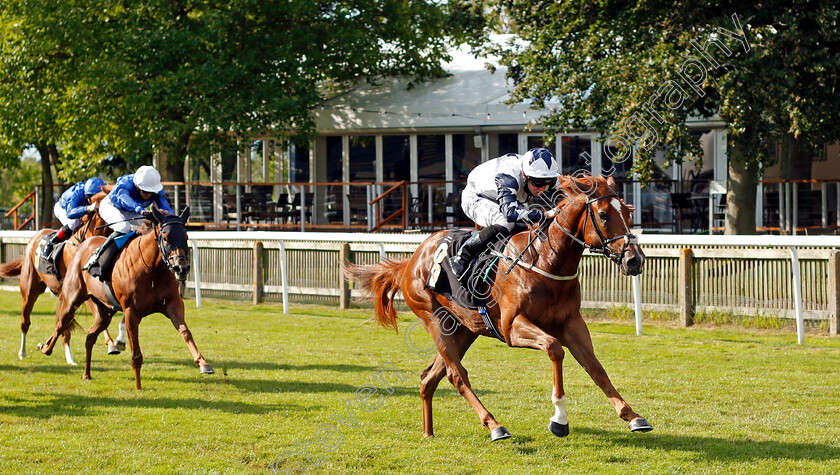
(662,206)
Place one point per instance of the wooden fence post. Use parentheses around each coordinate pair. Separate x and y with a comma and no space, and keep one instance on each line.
(686,290)
(259,278)
(834,292)
(344,291)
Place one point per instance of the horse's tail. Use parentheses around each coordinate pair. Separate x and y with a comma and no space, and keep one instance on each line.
(380,283)
(11,269)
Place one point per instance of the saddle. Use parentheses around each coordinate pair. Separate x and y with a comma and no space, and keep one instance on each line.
(101,263)
(48,266)
(476,292)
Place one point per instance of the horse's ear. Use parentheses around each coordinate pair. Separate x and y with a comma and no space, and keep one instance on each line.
(185,215)
(611,182)
(157,214)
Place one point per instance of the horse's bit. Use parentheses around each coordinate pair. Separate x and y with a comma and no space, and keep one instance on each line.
(629,237)
(164,253)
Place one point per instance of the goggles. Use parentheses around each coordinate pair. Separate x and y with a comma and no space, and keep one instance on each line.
(541,182)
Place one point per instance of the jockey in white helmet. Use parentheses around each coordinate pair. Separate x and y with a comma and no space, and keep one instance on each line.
(496,194)
(123,208)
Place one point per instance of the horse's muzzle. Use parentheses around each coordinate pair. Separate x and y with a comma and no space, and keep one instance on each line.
(181,272)
(633,261)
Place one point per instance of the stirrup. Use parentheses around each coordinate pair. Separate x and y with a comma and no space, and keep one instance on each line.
(459,267)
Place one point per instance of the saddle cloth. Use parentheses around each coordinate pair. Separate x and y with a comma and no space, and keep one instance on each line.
(48,266)
(476,291)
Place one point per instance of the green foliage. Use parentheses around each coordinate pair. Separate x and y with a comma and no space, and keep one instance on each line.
(279,378)
(107,78)
(18,181)
(612,66)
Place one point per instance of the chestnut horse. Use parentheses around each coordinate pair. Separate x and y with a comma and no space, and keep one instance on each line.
(537,304)
(145,279)
(33,283)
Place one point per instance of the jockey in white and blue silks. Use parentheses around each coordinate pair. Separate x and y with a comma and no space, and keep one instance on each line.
(74,203)
(130,196)
(495,198)
(123,210)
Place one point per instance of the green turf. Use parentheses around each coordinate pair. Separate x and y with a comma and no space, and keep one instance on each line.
(720,400)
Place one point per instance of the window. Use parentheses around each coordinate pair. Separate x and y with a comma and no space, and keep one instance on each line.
(465,155)
(396,157)
(431,157)
(576,153)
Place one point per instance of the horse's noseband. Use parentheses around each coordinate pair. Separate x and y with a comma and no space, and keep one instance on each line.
(180,242)
(629,238)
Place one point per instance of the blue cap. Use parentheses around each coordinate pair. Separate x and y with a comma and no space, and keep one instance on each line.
(93,186)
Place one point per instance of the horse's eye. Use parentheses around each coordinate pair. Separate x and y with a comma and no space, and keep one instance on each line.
(602,215)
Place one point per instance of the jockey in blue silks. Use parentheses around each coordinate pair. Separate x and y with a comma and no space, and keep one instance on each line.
(123,209)
(74,203)
(496,195)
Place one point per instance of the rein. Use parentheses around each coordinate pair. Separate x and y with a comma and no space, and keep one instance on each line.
(629,237)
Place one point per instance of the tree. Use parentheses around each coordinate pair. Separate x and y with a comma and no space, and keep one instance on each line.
(636,70)
(187,75)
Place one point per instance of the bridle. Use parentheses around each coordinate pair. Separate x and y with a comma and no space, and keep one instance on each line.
(629,237)
(165,250)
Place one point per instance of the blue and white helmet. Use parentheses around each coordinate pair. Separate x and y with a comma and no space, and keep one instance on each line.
(93,186)
(540,163)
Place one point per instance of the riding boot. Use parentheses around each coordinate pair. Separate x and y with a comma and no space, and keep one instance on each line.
(60,236)
(102,263)
(477,243)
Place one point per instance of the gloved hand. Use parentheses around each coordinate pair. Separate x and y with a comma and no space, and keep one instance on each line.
(91,207)
(550,214)
(147,214)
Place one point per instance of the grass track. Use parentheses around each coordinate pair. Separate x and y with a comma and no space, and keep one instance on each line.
(727,401)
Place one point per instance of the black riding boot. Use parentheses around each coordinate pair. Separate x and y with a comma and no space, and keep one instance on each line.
(62,234)
(477,243)
(103,262)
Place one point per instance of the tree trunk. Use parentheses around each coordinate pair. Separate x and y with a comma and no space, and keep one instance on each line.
(796,158)
(172,158)
(741,188)
(48,190)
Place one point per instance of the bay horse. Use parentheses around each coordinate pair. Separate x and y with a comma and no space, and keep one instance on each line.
(537,304)
(33,283)
(145,279)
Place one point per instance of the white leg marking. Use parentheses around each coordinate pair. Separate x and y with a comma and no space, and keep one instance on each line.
(121,337)
(559,416)
(22,352)
(69,356)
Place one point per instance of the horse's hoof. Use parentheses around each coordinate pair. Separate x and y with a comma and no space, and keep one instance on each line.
(113,350)
(22,355)
(120,345)
(72,363)
(499,433)
(560,430)
(41,347)
(206,369)
(640,425)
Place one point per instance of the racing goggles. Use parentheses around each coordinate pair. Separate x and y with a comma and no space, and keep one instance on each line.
(541,182)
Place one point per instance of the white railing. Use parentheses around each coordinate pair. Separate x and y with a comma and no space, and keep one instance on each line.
(787,276)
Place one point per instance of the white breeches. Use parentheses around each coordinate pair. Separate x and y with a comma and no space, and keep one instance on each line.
(116,217)
(483,211)
(61,214)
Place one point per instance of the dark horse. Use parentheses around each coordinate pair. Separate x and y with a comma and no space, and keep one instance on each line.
(537,304)
(146,279)
(33,283)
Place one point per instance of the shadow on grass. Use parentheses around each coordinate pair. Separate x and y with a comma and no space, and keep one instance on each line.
(74,405)
(269,366)
(61,368)
(720,448)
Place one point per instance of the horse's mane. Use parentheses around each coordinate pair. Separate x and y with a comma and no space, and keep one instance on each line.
(102,194)
(146,227)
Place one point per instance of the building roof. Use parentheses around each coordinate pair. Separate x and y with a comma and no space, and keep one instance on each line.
(471,96)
